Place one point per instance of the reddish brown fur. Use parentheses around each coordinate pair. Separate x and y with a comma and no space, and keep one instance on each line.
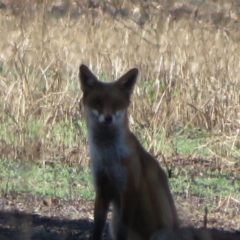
(124,173)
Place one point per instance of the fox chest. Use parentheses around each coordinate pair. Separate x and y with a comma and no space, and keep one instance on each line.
(107,166)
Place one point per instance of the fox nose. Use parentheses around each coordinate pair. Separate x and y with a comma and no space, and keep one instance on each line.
(108,119)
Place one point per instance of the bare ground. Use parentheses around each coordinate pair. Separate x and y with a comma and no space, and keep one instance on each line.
(26,216)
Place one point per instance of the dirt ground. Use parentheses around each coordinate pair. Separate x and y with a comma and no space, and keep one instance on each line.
(28,216)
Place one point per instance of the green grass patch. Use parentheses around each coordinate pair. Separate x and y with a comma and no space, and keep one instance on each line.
(73,182)
(185,143)
(53,179)
(207,187)
(67,131)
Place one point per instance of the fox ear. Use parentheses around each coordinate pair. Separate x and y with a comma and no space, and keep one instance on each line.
(128,80)
(86,77)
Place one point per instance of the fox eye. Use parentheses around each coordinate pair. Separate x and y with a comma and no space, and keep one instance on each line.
(118,105)
(97,102)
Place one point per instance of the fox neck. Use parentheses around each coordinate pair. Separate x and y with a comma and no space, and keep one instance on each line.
(108,141)
(105,136)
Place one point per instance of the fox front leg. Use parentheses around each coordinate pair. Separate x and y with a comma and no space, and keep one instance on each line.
(101,207)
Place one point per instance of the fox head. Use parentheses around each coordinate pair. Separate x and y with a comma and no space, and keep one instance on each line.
(105,104)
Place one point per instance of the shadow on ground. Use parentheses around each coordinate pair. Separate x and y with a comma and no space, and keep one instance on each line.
(19,225)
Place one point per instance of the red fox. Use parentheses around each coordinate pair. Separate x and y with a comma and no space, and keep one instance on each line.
(124,174)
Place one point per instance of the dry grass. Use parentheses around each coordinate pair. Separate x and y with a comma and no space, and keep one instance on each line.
(189,76)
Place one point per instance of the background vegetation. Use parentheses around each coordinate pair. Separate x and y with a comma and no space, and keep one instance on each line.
(185,109)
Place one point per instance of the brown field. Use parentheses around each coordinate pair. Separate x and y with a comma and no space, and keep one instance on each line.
(187,53)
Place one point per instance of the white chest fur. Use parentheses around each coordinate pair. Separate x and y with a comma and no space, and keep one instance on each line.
(106,152)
